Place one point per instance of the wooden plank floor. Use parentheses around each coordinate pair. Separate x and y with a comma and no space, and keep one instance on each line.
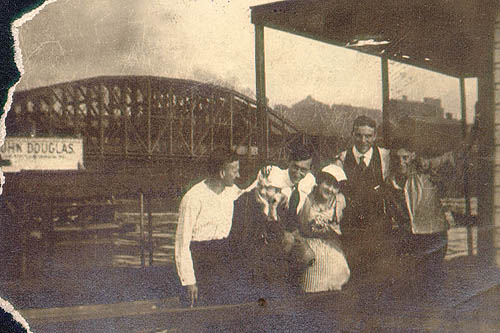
(455,303)
(122,250)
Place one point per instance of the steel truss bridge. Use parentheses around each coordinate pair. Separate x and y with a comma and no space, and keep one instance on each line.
(136,121)
(144,137)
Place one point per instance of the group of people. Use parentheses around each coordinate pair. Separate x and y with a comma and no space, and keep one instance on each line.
(362,220)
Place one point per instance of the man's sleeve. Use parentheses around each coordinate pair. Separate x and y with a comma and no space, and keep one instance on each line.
(304,223)
(256,181)
(437,162)
(339,159)
(385,156)
(253,185)
(188,212)
(305,187)
(307,183)
(270,168)
(341,205)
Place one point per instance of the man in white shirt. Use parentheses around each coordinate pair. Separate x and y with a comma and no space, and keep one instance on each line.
(205,219)
(296,182)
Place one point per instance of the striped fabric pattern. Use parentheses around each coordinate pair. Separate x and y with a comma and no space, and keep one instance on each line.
(329,270)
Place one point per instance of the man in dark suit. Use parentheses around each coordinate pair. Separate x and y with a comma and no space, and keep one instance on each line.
(364,229)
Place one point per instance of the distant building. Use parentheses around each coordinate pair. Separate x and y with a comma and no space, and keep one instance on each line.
(429,108)
(425,124)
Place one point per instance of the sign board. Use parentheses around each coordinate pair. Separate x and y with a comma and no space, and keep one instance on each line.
(26,153)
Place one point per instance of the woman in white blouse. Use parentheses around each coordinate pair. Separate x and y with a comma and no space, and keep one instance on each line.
(319,224)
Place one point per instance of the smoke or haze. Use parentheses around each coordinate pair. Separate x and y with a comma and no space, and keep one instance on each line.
(210,41)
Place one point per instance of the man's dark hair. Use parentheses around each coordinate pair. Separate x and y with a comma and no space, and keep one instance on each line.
(300,152)
(364,121)
(218,159)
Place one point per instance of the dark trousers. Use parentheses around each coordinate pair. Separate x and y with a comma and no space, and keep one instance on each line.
(212,268)
(372,254)
(423,255)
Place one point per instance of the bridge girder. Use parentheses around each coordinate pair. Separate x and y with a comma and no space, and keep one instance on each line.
(147,118)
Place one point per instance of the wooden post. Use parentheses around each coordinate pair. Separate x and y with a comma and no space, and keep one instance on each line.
(250,128)
(267,129)
(125,121)
(52,233)
(211,114)
(231,139)
(191,136)
(260,76)
(385,99)
(141,228)
(21,220)
(463,108)
(149,96)
(489,220)
(150,228)
(171,121)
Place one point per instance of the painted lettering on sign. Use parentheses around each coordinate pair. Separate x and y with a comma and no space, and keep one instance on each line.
(50,147)
(42,153)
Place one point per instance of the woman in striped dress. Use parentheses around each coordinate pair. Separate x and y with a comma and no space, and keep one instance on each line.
(319,224)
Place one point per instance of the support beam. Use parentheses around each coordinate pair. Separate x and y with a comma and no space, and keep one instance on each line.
(171,111)
(463,109)
(191,127)
(149,96)
(126,119)
(385,99)
(141,229)
(260,79)
(231,125)
(100,90)
(150,227)
(489,218)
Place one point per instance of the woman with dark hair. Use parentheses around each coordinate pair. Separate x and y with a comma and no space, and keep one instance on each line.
(319,224)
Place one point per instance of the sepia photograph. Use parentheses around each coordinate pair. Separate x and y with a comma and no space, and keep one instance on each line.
(250,166)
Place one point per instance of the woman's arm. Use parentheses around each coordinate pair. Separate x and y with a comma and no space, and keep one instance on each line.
(305,220)
(312,226)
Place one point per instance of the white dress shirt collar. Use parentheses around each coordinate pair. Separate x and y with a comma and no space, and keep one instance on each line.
(367,156)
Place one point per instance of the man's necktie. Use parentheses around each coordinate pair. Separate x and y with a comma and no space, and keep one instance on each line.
(362,162)
(293,220)
(294,201)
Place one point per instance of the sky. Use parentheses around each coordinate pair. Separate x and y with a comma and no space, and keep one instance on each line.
(211,41)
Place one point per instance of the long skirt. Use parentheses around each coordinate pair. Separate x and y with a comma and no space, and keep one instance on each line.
(329,270)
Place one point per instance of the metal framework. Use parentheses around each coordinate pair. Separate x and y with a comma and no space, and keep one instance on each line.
(126,118)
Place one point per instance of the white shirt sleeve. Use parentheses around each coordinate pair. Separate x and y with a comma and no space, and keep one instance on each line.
(189,209)
(237,192)
(305,187)
(259,177)
(307,183)
(254,184)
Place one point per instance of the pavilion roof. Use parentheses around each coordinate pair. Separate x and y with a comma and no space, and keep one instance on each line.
(440,35)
